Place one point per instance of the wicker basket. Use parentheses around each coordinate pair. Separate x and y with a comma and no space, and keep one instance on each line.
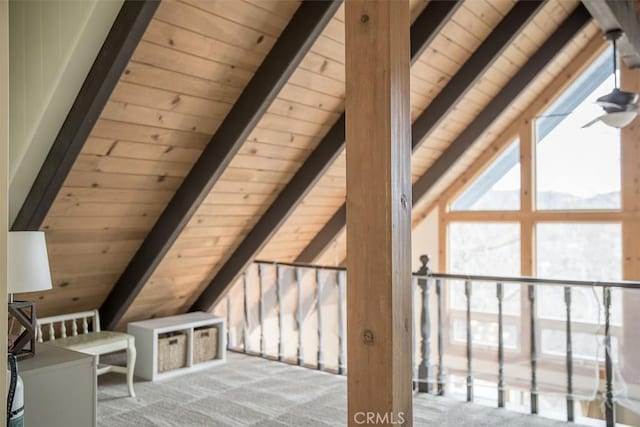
(205,344)
(172,351)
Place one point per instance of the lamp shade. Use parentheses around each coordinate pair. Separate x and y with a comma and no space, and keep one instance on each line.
(28,265)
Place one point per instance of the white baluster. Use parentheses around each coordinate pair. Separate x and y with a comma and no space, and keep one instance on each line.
(74,327)
(39,333)
(85,327)
(63,329)
(96,321)
(52,334)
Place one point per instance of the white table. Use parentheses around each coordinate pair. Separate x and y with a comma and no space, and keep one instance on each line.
(59,388)
(146,333)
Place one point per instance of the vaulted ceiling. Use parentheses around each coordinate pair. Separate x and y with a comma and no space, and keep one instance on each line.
(221,138)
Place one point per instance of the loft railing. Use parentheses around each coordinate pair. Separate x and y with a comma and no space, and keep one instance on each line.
(279,269)
(424,371)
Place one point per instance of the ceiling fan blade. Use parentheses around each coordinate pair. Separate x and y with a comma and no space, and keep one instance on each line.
(633,107)
(594,121)
(619,119)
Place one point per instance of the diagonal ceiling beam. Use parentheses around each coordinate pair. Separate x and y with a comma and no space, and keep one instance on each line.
(127,30)
(476,65)
(301,32)
(619,15)
(426,26)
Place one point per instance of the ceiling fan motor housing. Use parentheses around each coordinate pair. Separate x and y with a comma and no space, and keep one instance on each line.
(613,35)
(620,107)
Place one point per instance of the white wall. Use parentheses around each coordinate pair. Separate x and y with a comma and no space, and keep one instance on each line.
(52,46)
(4,142)
(424,241)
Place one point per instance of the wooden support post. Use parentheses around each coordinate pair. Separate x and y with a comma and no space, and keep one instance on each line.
(378,213)
(630,157)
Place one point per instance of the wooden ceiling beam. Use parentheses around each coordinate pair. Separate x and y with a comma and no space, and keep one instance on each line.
(480,61)
(426,26)
(127,30)
(296,40)
(619,15)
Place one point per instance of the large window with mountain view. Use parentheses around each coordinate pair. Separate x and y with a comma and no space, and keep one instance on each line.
(497,188)
(593,180)
(565,222)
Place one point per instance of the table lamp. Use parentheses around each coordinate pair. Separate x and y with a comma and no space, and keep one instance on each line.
(28,268)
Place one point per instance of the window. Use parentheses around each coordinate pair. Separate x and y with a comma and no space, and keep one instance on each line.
(485,248)
(578,251)
(585,346)
(570,170)
(590,180)
(498,188)
(582,252)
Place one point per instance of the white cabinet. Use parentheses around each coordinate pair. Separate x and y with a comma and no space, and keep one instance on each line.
(147,333)
(59,388)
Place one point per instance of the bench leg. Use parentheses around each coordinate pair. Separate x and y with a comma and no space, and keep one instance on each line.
(131,364)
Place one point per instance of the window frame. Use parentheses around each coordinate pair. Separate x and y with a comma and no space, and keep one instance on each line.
(528,216)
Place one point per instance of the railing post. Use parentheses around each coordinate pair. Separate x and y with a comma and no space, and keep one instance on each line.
(319,308)
(467,292)
(228,322)
(440,377)
(501,390)
(569,353)
(280,319)
(341,315)
(425,328)
(245,347)
(534,356)
(414,365)
(299,315)
(261,310)
(610,415)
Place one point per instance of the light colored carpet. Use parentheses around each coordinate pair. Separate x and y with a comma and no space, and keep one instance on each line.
(250,391)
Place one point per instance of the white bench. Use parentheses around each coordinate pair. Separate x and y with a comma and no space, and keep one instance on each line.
(96,342)
(147,333)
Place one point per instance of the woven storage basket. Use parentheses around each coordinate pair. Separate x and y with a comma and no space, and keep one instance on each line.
(172,351)
(205,344)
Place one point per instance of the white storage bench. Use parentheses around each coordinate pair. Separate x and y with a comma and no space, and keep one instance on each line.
(177,345)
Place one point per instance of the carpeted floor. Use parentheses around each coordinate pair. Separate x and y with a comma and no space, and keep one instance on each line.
(250,391)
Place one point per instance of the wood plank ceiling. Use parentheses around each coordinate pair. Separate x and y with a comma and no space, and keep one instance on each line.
(192,64)
(513,58)
(319,85)
(424,29)
(183,78)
